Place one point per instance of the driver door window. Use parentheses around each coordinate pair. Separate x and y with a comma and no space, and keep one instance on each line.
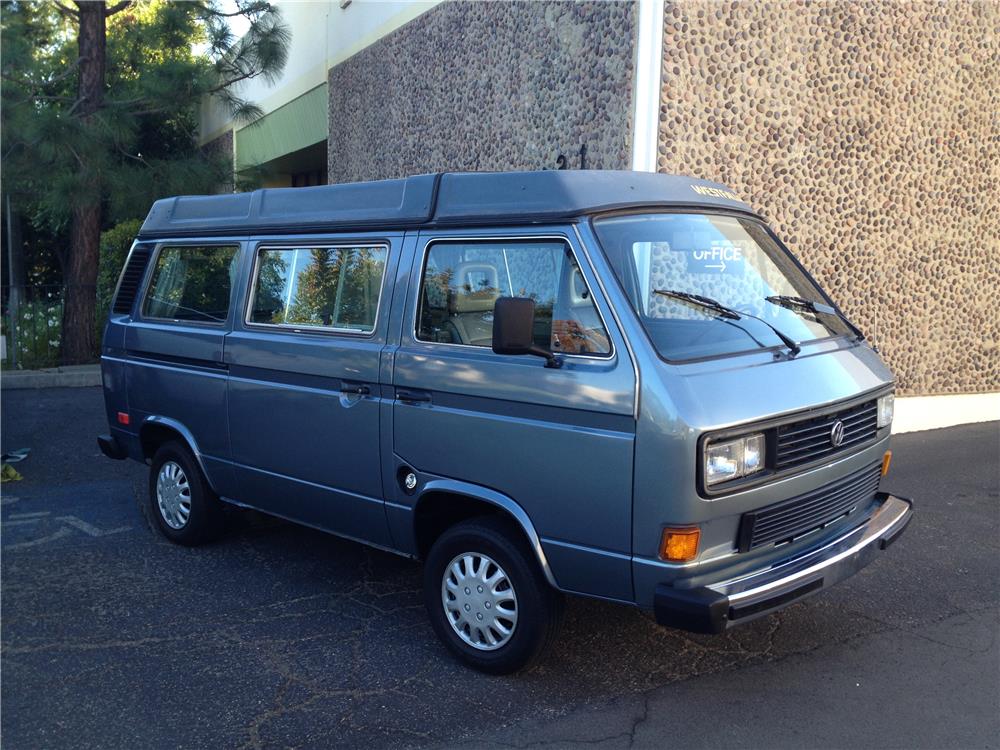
(463,280)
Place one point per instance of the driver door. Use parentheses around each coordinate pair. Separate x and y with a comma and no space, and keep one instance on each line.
(558,442)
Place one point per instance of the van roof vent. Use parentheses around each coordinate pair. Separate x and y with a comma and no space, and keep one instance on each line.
(128,283)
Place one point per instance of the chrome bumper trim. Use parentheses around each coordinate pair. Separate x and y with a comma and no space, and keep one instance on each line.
(831,563)
(719,606)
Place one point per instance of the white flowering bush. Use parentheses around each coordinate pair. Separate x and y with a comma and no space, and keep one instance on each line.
(38,326)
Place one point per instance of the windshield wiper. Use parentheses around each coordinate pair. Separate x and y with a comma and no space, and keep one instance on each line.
(817,308)
(726,312)
(698,301)
(723,313)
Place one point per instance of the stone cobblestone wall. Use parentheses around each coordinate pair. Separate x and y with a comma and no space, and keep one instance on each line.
(869,135)
(487,86)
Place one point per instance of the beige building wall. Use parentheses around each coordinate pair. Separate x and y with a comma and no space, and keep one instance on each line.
(869,135)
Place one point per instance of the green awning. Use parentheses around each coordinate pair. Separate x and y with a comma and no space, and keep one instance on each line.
(300,123)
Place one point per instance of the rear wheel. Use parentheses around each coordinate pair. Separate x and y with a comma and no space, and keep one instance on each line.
(181,503)
(487,599)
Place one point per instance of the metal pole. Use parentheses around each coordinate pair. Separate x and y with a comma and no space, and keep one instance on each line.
(14,301)
(646,92)
(646,116)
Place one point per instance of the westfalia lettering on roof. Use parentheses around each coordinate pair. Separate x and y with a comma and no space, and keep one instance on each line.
(715,192)
(448,199)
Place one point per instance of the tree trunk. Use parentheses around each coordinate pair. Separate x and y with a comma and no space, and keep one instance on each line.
(79,337)
(78,334)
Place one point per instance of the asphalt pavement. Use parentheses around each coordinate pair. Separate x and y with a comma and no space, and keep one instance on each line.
(279,636)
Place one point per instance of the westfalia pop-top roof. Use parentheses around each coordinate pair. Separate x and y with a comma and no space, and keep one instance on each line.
(446,199)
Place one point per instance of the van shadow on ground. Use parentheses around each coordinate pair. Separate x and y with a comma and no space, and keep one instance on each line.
(338,633)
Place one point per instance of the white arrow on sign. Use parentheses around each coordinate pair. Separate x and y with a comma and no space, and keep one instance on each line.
(721,265)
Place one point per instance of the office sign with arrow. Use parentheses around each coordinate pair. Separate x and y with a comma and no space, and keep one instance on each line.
(717,257)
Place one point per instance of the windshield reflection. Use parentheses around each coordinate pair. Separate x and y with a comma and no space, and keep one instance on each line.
(727,259)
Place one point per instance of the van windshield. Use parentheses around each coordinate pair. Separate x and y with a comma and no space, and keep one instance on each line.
(662,259)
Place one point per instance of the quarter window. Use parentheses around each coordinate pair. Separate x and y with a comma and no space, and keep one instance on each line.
(192,283)
(335,288)
(463,280)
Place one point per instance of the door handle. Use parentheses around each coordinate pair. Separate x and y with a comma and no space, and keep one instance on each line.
(410,396)
(355,389)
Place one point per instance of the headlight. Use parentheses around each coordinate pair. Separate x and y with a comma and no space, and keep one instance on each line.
(885,406)
(734,458)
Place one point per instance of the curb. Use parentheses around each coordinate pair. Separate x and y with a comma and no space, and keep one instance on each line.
(918,413)
(76,376)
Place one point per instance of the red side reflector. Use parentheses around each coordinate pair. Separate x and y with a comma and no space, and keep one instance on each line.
(122,418)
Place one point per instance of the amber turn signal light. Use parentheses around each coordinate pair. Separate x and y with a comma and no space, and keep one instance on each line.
(679,545)
(886,460)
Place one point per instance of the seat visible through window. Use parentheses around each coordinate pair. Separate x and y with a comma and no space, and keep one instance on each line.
(464,279)
(470,304)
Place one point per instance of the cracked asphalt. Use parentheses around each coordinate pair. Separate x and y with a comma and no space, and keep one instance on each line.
(279,636)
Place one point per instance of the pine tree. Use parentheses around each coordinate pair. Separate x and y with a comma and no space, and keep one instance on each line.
(316,287)
(100,107)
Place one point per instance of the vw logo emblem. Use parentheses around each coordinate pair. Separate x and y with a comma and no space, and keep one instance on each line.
(837,434)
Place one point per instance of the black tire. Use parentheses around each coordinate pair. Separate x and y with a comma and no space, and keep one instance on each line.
(539,606)
(205,520)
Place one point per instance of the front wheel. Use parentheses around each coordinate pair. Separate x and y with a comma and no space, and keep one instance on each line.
(487,599)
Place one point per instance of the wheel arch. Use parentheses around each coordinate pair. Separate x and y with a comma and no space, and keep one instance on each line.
(156,430)
(431,518)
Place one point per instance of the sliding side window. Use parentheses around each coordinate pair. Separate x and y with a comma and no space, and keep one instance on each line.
(325,288)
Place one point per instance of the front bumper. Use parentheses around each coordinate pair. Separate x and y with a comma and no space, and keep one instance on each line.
(718,606)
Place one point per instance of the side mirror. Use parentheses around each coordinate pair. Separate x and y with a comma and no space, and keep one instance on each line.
(514,329)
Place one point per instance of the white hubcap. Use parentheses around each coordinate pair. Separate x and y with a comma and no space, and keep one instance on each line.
(479,601)
(173,495)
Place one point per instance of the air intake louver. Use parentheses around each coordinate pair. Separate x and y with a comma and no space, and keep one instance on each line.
(793,518)
(128,284)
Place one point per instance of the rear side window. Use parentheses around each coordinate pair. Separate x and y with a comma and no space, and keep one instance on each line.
(463,280)
(131,277)
(326,288)
(192,284)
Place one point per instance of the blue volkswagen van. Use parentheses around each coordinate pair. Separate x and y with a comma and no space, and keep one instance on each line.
(613,384)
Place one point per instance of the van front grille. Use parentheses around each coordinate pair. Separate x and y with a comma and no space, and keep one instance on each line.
(793,518)
(808,440)
(131,277)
